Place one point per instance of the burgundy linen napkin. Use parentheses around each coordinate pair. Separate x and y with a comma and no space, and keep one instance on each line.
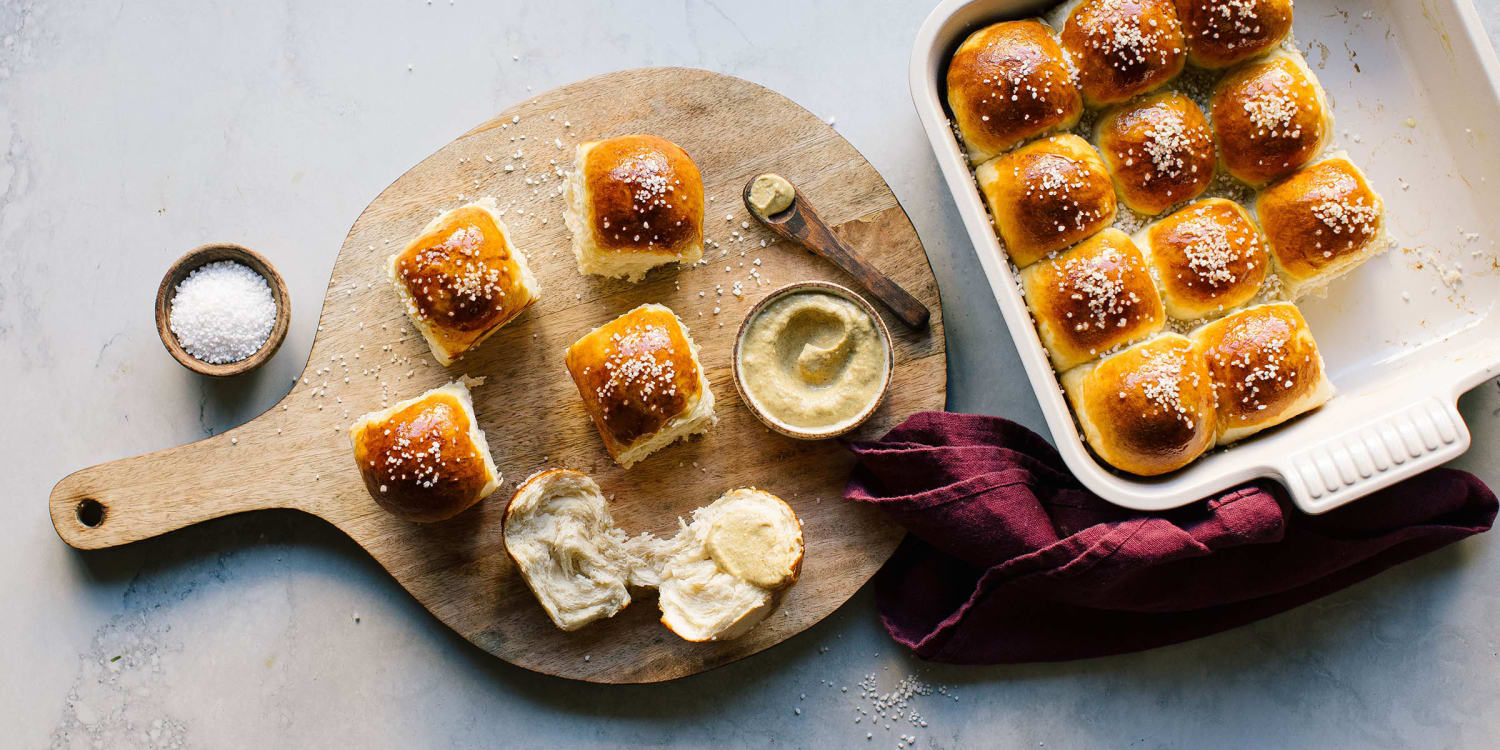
(1011,560)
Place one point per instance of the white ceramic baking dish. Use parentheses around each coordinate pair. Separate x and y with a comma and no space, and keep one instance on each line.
(1416,105)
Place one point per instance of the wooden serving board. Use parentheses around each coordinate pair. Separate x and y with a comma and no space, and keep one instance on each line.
(297,455)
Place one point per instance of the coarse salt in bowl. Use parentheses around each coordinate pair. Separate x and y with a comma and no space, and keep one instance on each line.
(222,310)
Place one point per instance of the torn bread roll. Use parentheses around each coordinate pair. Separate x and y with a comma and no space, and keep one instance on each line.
(717,577)
(560,534)
(731,561)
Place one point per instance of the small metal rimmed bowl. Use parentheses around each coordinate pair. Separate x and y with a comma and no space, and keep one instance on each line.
(192,261)
(803,433)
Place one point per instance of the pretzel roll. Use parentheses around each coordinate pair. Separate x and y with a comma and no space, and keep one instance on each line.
(1265,368)
(641,382)
(632,203)
(1091,299)
(1270,117)
(1121,48)
(461,279)
(1208,258)
(1321,223)
(1047,195)
(1147,410)
(1009,82)
(1221,33)
(425,459)
(1159,149)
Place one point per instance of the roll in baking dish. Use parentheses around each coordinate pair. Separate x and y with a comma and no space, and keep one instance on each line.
(1149,409)
(1159,149)
(633,202)
(1092,299)
(1120,48)
(1270,117)
(641,382)
(1009,82)
(425,459)
(1321,223)
(1208,258)
(1047,196)
(1220,33)
(1265,368)
(461,279)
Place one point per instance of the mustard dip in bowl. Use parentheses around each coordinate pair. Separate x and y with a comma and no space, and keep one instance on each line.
(813,360)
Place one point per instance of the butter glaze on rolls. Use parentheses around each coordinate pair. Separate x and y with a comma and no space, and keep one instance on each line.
(633,202)
(425,459)
(1159,149)
(1265,367)
(641,382)
(1220,33)
(1321,223)
(1091,299)
(461,279)
(1121,48)
(1009,82)
(1147,410)
(1208,257)
(1270,117)
(1047,195)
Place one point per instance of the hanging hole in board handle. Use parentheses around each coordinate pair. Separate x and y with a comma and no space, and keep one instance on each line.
(90,512)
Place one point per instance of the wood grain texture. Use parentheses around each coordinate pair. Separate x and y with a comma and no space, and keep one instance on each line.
(800,223)
(297,455)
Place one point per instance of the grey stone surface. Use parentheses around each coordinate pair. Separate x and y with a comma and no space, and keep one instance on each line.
(130,132)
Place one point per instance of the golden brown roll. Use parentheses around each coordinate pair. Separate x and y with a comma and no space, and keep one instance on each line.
(1221,33)
(1009,82)
(1265,368)
(634,202)
(1208,257)
(462,279)
(1321,223)
(1121,48)
(425,459)
(1159,149)
(1270,117)
(1147,410)
(1092,298)
(641,382)
(1047,195)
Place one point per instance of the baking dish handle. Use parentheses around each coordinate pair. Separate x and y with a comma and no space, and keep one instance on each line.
(1375,454)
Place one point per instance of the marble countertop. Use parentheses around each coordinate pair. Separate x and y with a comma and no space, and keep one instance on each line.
(130,132)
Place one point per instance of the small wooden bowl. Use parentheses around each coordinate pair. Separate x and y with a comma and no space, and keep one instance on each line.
(880,329)
(190,262)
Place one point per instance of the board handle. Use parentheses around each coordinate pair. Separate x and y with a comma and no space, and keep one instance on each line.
(141,497)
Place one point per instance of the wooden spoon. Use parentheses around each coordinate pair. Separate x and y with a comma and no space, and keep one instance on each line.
(800,223)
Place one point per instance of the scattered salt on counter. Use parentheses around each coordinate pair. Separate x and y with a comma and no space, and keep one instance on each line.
(222,312)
